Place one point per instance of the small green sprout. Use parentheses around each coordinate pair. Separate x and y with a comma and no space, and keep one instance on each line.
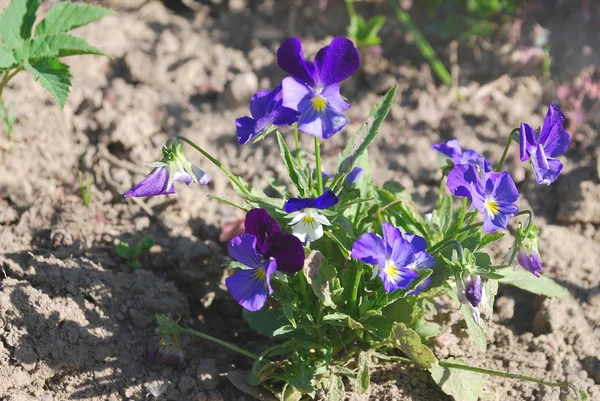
(8,117)
(363,33)
(133,254)
(85,189)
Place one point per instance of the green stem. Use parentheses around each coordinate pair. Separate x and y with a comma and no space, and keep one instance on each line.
(7,77)
(501,162)
(217,163)
(441,194)
(354,295)
(350,9)
(424,47)
(297,143)
(304,289)
(318,161)
(449,238)
(220,342)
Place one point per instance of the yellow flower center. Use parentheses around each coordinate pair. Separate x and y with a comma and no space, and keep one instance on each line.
(260,274)
(491,206)
(391,270)
(319,103)
(308,218)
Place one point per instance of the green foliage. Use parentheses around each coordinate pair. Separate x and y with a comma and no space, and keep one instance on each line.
(8,118)
(365,33)
(409,342)
(85,189)
(133,254)
(524,280)
(462,385)
(40,55)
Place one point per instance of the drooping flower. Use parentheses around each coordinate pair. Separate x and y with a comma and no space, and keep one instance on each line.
(307,223)
(266,110)
(526,249)
(453,150)
(399,257)
(471,293)
(494,196)
(552,141)
(172,167)
(313,89)
(354,175)
(262,250)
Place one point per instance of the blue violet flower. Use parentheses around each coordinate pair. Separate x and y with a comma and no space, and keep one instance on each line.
(452,150)
(313,89)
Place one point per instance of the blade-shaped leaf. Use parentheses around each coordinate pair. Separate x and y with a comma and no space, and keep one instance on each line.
(54,77)
(7,60)
(17,20)
(363,379)
(60,45)
(526,281)
(359,142)
(409,342)
(66,16)
(461,384)
(476,332)
(335,385)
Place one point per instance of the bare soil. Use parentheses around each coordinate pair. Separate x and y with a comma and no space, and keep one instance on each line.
(77,322)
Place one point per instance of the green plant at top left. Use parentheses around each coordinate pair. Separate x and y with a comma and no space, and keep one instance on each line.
(39,50)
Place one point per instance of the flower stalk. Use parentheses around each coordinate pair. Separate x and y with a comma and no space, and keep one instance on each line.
(508,143)
(318,162)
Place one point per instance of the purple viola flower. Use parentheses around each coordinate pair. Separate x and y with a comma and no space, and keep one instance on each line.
(525,250)
(471,293)
(453,150)
(532,262)
(307,223)
(396,256)
(172,167)
(354,175)
(552,141)
(495,199)
(313,89)
(423,260)
(262,249)
(266,110)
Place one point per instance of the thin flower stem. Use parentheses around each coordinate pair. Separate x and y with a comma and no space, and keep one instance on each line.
(297,143)
(220,342)
(318,161)
(510,136)
(441,194)
(449,238)
(7,77)
(357,277)
(217,163)
(304,289)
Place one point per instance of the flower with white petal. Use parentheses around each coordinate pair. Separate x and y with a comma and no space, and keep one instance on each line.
(307,223)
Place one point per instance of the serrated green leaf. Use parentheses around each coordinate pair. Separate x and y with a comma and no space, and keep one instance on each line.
(409,342)
(363,378)
(17,20)
(369,129)
(460,384)
(476,332)
(488,239)
(295,173)
(65,16)
(336,391)
(526,281)
(54,76)
(445,213)
(7,60)
(59,45)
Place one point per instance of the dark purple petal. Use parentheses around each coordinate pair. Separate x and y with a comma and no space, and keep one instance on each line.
(297,204)
(546,170)
(474,291)
(449,149)
(532,263)
(287,251)
(290,58)
(354,175)
(322,124)
(558,140)
(416,241)
(424,260)
(248,289)
(336,62)
(369,248)
(326,200)
(527,142)
(261,102)
(390,235)
(285,116)
(554,120)
(243,249)
(245,129)
(493,222)
(334,99)
(505,190)
(261,225)
(296,92)
(403,253)
(460,179)
(154,184)
(331,123)
(473,158)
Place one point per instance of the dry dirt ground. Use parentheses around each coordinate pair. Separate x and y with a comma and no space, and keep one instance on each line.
(76,321)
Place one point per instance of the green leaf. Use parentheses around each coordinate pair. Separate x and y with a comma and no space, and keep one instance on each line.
(17,20)
(476,332)
(54,77)
(336,391)
(296,174)
(409,342)
(124,250)
(7,60)
(317,275)
(488,239)
(359,142)
(60,45)
(65,16)
(303,381)
(460,384)
(445,213)
(145,244)
(289,313)
(526,281)
(264,321)
(363,379)
(283,330)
